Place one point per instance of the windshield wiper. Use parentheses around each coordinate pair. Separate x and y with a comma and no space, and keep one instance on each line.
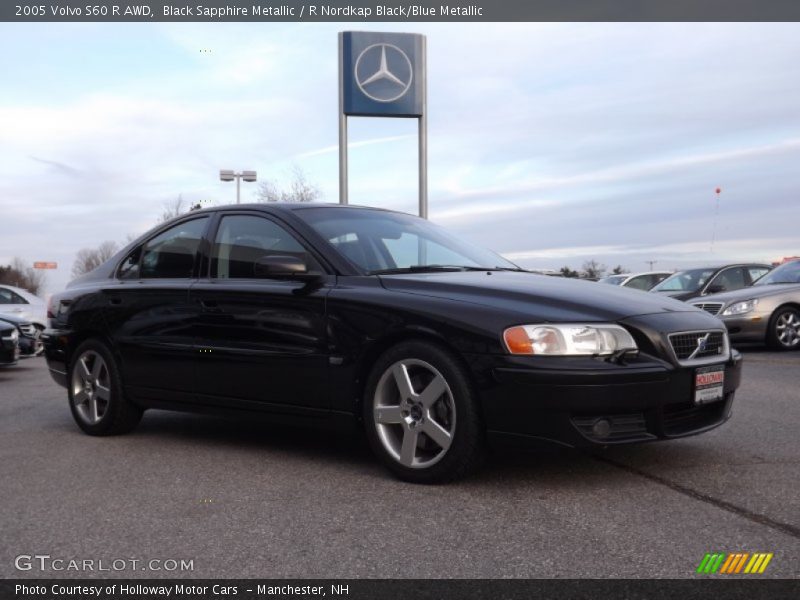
(437,269)
(419,269)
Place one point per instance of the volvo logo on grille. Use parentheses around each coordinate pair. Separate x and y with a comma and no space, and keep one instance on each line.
(702,345)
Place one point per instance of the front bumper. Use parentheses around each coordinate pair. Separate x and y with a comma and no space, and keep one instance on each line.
(751,327)
(9,353)
(585,402)
(55,351)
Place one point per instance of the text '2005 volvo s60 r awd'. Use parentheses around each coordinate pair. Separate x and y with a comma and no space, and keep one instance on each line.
(343,315)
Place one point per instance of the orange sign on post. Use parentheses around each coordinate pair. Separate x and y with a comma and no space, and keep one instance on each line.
(45,265)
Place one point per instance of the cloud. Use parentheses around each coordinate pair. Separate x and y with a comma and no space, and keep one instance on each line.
(562,141)
(354,145)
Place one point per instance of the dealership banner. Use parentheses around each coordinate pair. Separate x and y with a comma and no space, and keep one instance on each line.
(396,589)
(452,11)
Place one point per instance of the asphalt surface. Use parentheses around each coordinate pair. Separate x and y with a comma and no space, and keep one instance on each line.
(242,499)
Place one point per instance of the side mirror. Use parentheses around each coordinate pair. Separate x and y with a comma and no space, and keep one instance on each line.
(715,289)
(280,266)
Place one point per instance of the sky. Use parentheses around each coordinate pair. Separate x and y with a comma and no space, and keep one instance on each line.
(551,143)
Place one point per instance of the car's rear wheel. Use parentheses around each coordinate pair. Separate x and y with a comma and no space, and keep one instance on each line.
(421,414)
(96,400)
(783,332)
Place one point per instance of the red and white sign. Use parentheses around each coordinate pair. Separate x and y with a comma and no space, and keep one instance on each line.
(709,384)
(45,265)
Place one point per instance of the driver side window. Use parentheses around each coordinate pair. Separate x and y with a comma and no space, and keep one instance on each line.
(243,239)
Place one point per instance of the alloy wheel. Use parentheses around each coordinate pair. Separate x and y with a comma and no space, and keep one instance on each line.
(787,329)
(414,413)
(91,387)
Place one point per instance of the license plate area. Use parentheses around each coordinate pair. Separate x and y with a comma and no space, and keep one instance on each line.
(708,384)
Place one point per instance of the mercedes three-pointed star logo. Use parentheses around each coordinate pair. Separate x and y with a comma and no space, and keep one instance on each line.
(383,72)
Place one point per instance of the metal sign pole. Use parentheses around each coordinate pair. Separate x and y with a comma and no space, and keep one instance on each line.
(342,132)
(383,74)
(422,134)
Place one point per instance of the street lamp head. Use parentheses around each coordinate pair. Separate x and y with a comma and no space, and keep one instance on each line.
(249,176)
(226,175)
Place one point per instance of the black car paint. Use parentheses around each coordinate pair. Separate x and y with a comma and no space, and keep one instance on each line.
(302,349)
(9,349)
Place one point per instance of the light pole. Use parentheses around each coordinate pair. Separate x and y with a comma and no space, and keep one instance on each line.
(230,175)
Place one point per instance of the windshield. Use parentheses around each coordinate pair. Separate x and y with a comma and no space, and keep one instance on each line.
(685,281)
(786,273)
(614,279)
(380,241)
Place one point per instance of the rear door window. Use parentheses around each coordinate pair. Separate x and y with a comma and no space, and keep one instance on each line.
(169,255)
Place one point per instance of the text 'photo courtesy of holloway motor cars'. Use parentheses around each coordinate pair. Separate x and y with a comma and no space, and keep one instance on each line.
(344,316)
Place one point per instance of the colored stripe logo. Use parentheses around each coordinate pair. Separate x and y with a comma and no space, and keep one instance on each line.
(734,563)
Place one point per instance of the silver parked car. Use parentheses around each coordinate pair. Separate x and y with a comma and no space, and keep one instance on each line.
(767,312)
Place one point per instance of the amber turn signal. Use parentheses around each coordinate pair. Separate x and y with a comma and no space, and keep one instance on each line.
(518,341)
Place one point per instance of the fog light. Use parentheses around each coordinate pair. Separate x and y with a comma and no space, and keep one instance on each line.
(601,428)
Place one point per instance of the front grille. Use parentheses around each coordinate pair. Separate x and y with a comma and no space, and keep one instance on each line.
(682,419)
(710,307)
(28,330)
(697,345)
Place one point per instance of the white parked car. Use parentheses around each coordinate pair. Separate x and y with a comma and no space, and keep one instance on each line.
(21,303)
(638,281)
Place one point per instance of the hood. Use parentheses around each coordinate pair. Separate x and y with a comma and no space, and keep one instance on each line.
(14,319)
(547,298)
(679,295)
(754,291)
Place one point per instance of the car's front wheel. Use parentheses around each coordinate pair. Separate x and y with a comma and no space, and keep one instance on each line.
(96,400)
(421,414)
(783,332)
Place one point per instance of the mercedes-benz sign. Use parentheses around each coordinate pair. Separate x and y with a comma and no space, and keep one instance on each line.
(383,72)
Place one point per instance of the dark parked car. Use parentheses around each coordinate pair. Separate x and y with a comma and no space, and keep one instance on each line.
(343,316)
(9,344)
(691,283)
(767,313)
(30,343)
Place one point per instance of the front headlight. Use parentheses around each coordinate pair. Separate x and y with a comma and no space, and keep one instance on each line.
(740,308)
(568,339)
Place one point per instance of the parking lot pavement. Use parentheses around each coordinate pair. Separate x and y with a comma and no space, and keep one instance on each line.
(247,500)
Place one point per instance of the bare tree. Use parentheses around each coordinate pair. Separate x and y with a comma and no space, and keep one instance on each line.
(89,259)
(567,272)
(593,269)
(172,208)
(19,274)
(619,270)
(299,190)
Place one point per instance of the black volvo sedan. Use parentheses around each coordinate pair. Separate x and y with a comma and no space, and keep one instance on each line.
(338,315)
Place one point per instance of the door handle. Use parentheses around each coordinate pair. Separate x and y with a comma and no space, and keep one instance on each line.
(115,301)
(210,305)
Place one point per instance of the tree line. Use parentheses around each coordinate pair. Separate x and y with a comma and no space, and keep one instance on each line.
(592,269)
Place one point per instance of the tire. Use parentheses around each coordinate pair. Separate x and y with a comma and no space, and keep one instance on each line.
(421,414)
(96,400)
(783,331)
